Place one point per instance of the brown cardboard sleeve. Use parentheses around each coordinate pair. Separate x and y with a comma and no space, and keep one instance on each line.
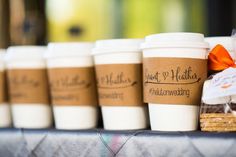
(119,84)
(28,86)
(3,87)
(173,80)
(73,86)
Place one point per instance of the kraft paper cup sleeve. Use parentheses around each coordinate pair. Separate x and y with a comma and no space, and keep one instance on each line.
(3,87)
(28,86)
(73,86)
(122,87)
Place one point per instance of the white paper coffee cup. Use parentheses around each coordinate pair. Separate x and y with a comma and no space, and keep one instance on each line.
(116,63)
(28,87)
(5,112)
(225,41)
(166,56)
(72,61)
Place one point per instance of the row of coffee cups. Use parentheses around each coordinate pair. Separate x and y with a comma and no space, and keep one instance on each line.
(165,70)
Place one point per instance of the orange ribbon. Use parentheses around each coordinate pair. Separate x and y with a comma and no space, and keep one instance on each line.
(220,59)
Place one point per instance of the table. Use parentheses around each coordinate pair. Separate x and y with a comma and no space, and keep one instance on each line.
(98,142)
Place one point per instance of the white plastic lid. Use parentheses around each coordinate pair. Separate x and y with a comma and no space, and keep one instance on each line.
(176,39)
(227,42)
(117,45)
(69,49)
(25,53)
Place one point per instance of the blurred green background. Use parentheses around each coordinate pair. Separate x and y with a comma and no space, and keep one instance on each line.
(37,22)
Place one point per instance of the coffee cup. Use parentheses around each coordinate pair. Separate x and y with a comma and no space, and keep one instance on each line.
(72,85)
(5,112)
(28,87)
(118,64)
(174,70)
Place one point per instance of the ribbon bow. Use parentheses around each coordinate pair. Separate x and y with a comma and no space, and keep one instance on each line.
(220,59)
